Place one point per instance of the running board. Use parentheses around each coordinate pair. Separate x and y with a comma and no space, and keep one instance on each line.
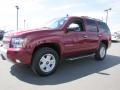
(75,58)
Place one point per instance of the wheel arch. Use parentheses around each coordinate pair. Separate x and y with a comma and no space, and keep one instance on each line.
(105,42)
(54,46)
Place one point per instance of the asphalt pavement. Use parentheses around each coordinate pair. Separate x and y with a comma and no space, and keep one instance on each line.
(83,74)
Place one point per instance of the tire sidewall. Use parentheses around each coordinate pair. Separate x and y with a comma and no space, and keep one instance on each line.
(98,55)
(38,55)
(102,46)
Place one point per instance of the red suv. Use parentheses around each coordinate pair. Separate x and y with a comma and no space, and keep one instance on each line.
(63,38)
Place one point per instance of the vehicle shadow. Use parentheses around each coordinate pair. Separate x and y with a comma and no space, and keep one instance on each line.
(67,71)
(114,41)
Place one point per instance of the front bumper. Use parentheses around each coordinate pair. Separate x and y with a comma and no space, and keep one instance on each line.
(16,55)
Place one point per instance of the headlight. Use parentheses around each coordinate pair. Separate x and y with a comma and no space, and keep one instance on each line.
(18,42)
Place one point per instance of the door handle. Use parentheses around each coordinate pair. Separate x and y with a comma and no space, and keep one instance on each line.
(100,35)
(85,36)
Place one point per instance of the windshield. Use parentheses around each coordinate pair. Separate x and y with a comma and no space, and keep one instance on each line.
(56,23)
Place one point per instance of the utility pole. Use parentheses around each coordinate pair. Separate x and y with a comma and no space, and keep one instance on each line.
(24,23)
(107,12)
(17,7)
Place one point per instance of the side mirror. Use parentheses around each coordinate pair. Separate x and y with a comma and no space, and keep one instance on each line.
(73,27)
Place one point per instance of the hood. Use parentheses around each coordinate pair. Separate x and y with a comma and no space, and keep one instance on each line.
(23,32)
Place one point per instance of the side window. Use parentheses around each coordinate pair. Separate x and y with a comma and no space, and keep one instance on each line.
(75,25)
(91,26)
(103,27)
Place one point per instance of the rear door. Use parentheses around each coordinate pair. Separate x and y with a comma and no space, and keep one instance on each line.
(92,35)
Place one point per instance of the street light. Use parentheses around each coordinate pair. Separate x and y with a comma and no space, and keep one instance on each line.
(17,7)
(24,23)
(107,11)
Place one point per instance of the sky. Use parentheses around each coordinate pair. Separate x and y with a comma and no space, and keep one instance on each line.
(37,12)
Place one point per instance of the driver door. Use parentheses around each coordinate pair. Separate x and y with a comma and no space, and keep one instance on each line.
(75,41)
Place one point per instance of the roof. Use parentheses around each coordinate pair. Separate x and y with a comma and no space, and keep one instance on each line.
(91,18)
(86,17)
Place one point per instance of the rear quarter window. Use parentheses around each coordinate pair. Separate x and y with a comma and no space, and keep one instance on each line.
(103,27)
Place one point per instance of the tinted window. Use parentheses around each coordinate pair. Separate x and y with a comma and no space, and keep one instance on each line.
(103,27)
(91,26)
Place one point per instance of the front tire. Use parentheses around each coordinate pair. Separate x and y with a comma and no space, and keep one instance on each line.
(101,52)
(45,61)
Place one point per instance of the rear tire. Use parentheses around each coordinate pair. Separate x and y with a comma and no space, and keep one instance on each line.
(45,61)
(101,52)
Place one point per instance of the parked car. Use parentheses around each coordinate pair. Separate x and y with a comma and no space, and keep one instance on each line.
(1,34)
(66,38)
(116,36)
